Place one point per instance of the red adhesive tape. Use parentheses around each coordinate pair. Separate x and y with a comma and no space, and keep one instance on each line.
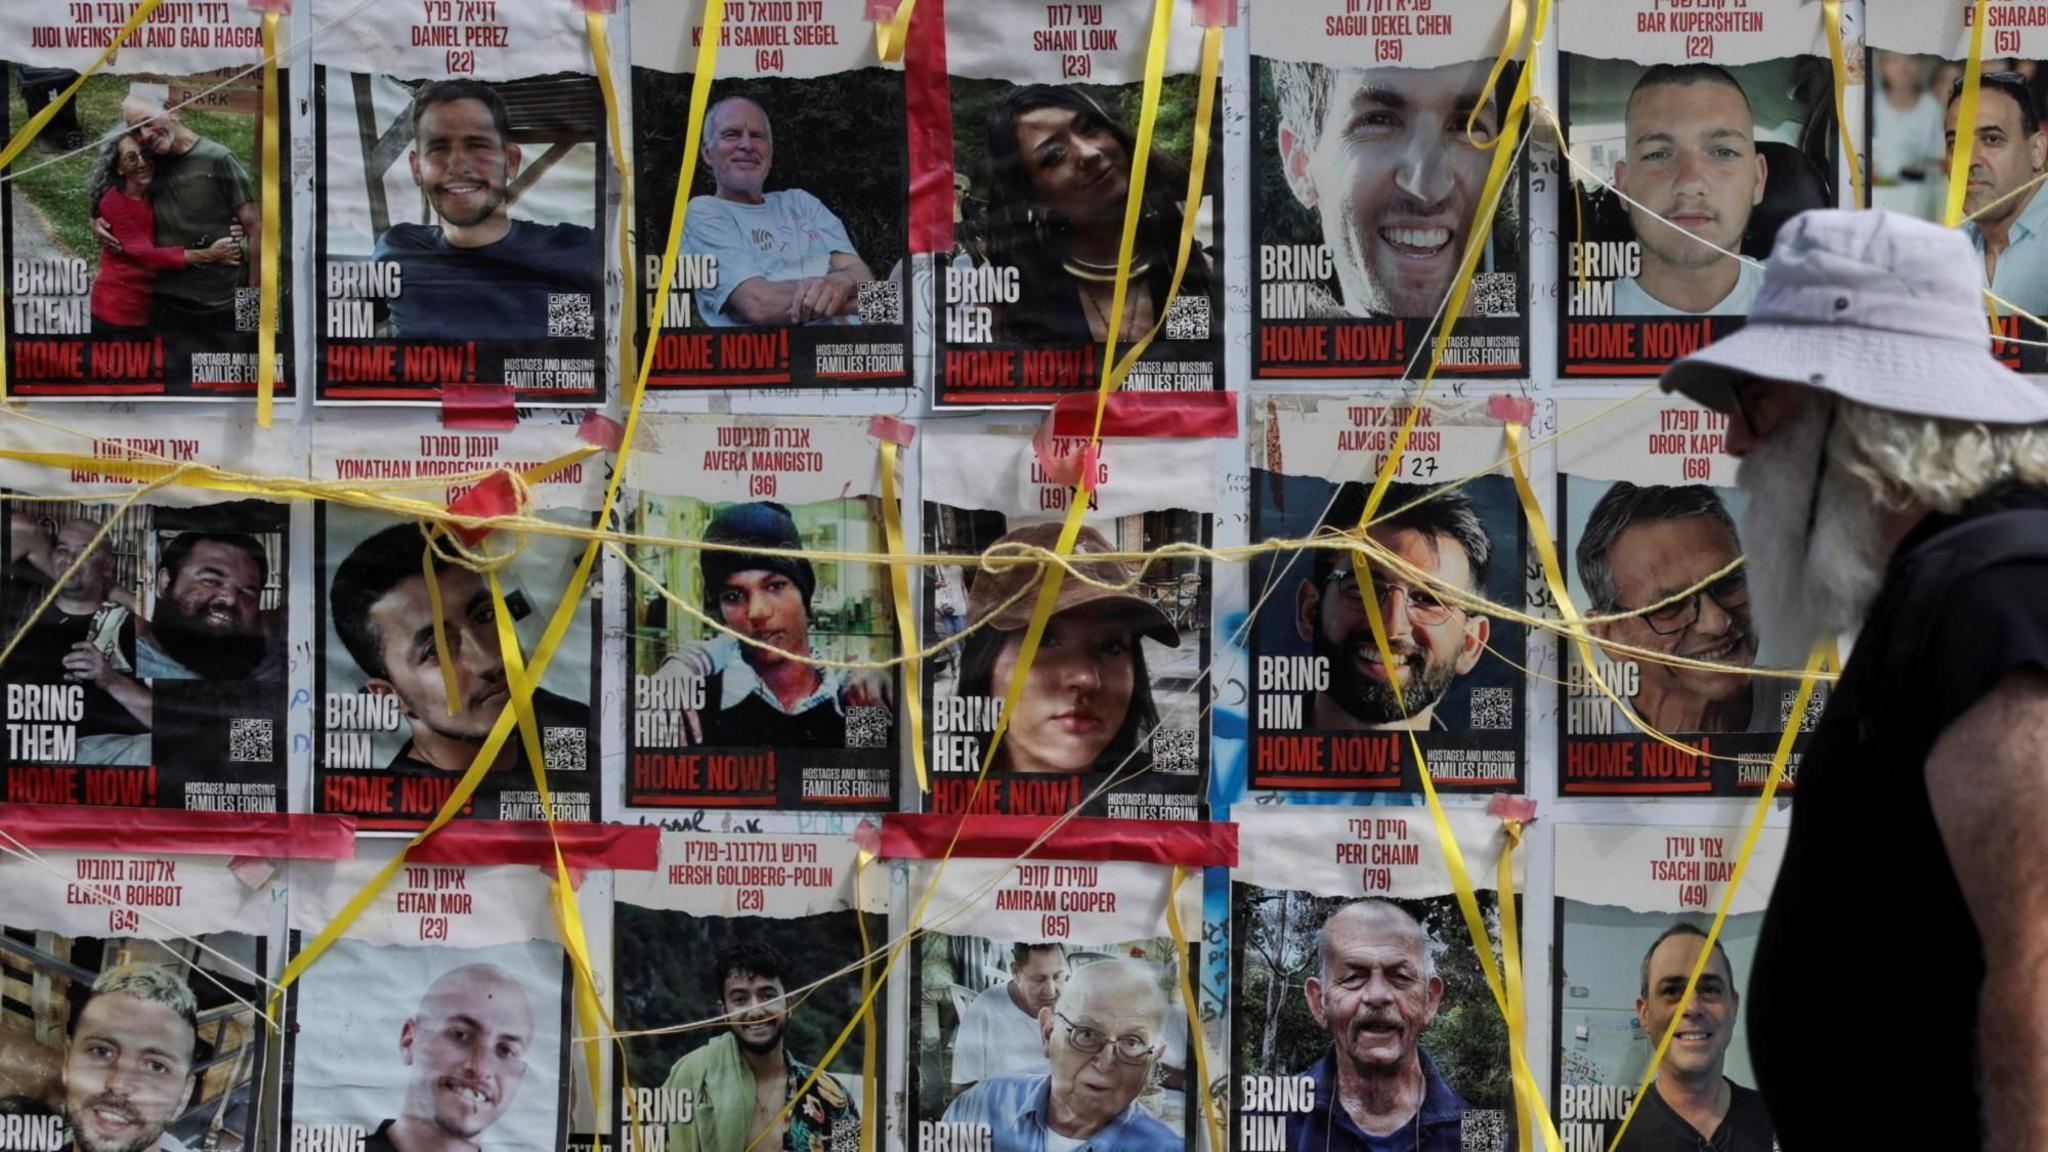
(601,430)
(1215,13)
(283,6)
(496,496)
(614,847)
(1202,415)
(1188,843)
(484,407)
(1511,409)
(1506,807)
(232,834)
(882,11)
(897,432)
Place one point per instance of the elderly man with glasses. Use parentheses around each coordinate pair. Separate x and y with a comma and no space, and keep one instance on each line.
(1102,1039)
(1642,546)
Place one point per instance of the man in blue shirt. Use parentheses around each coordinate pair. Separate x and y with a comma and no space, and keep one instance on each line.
(1374,992)
(1102,1038)
(2006,157)
(479,272)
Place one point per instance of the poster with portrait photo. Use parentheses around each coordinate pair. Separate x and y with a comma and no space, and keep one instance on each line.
(717,720)
(459,178)
(1648,508)
(1372,140)
(1694,133)
(156,674)
(1323,713)
(1354,967)
(133,226)
(1046,101)
(442,1012)
(1117,697)
(1917,56)
(1633,907)
(743,926)
(1042,961)
(388,745)
(138,949)
(793,262)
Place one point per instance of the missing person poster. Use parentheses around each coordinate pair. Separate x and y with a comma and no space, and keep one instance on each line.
(1372,139)
(1029,970)
(1045,102)
(1648,509)
(1357,978)
(1113,717)
(133,224)
(1633,907)
(729,707)
(1917,59)
(762,935)
(1693,133)
(460,184)
(441,1014)
(137,952)
(793,260)
(1326,712)
(390,739)
(150,669)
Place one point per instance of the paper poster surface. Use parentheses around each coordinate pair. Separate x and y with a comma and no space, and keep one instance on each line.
(1647,510)
(1694,132)
(791,267)
(1325,713)
(133,228)
(1113,715)
(1373,134)
(732,715)
(1045,109)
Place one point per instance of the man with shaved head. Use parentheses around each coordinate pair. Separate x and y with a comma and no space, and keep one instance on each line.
(1374,991)
(466,1046)
(1102,1038)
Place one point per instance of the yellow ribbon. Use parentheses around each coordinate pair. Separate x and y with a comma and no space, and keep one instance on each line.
(906,622)
(1511,963)
(1966,123)
(267,250)
(893,33)
(1831,13)
(1212,1117)
(601,55)
(1822,652)
(445,658)
(868,1055)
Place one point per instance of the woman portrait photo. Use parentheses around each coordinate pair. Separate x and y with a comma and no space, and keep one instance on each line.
(125,289)
(1056,172)
(1087,702)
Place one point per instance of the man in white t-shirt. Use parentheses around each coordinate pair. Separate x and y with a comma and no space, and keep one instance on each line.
(999,1032)
(783,257)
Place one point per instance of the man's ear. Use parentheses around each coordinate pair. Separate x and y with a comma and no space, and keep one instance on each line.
(1477,629)
(2037,148)
(512,158)
(406,1035)
(1312,991)
(412,157)
(378,686)
(1295,153)
(1621,176)
(1308,603)
(163,582)
(1436,998)
(1045,1029)
(1763,179)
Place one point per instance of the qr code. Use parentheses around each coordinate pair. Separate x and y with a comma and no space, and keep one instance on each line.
(1187,318)
(1493,709)
(1482,1130)
(867,726)
(249,741)
(569,315)
(248,309)
(881,302)
(561,749)
(1493,294)
(1176,752)
(845,1132)
(1814,707)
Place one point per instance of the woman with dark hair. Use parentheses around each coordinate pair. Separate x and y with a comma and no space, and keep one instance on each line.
(119,193)
(1058,171)
(1087,701)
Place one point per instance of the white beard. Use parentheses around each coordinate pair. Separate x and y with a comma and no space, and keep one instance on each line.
(1802,590)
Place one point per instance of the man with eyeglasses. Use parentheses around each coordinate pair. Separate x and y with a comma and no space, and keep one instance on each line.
(1433,640)
(1375,989)
(1102,1040)
(1645,544)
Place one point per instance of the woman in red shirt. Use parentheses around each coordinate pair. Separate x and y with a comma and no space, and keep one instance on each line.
(121,292)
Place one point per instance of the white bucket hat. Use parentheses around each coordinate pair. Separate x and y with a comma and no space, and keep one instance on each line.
(1874,307)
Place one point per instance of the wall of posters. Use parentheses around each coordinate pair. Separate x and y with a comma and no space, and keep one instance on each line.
(1633,905)
(460,186)
(1370,151)
(730,718)
(792,265)
(1719,121)
(390,741)
(132,233)
(1117,697)
(1647,508)
(1324,711)
(1043,132)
